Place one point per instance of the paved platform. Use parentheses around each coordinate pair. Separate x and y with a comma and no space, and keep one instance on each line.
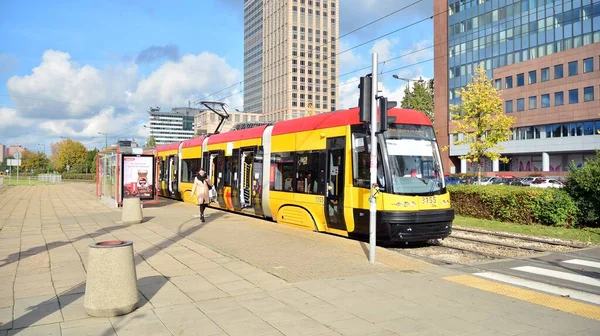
(236,275)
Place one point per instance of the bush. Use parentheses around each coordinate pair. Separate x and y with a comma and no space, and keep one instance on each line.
(75,176)
(514,204)
(583,185)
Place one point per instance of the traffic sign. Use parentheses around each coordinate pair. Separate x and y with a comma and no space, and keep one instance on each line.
(17,155)
(13,163)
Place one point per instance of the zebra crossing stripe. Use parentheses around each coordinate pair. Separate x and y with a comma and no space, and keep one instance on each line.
(567,305)
(559,275)
(580,262)
(564,292)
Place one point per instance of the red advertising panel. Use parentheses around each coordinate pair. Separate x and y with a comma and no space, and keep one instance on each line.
(138,176)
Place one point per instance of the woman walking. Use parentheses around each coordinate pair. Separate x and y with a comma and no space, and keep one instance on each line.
(202,186)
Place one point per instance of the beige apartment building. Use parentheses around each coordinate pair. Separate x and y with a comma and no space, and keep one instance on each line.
(207,121)
(290,57)
(2,153)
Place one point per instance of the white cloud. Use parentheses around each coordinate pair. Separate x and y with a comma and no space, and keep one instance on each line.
(384,49)
(350,61)
(390,87)
(106,121)
(62,98)
(419,51)
(349,93)
(57,80)
(193,78)
(10,119)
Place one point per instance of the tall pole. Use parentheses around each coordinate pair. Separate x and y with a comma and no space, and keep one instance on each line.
(408,89)
(105,139)
(408,81)
(44,146)
(374,128)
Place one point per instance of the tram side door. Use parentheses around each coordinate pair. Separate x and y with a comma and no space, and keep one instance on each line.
(334,192)
(173,177)
(246,165)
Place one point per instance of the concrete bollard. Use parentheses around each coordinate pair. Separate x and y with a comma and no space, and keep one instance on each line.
(111,284)
(132,211)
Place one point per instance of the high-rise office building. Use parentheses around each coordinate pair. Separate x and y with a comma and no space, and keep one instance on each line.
(290,62)
(2,153)
(544,56)
(173,126)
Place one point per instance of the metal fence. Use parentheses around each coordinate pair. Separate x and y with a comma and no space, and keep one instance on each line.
(50,178)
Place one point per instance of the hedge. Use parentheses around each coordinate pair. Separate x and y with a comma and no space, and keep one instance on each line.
(76,176)
(523,205)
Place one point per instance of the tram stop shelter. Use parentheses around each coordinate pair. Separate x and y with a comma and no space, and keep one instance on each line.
(125,171)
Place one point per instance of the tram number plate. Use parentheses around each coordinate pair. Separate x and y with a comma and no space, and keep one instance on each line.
(428,200)
(320,199)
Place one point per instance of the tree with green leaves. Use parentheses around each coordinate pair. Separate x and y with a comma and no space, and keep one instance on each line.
(421,97)
(481,120)
(90,161)
(151,142)
(583,184)
(68,152)
(31,161)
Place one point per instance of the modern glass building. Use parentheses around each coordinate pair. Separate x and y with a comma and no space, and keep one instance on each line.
(545,57)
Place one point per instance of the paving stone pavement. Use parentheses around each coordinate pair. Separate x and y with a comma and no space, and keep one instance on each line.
(233,275)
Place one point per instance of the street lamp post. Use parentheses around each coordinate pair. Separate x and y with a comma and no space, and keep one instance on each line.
(106,139)
(408,81)
(67,167)
(44,146)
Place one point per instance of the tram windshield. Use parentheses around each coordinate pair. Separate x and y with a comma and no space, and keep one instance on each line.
(414,160)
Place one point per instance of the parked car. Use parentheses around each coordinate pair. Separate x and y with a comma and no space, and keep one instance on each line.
(486,180)
(546,183)
(516,181)
(528,180)
(501,181)
(453,180)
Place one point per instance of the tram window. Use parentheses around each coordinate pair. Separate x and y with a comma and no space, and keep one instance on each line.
(307,172)
(226,169)
(360,162)
(189,169)
(235,164)
(282,172)
(161,169)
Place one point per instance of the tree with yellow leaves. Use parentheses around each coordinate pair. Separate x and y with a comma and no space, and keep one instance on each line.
(481,119)
(68,153)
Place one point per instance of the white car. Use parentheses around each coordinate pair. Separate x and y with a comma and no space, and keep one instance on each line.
(528,180)
(486,180)
(546,183)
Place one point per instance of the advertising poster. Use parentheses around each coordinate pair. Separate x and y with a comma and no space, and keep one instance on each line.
(138,176)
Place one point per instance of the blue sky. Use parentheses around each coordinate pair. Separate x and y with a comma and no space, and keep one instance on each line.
(76,68)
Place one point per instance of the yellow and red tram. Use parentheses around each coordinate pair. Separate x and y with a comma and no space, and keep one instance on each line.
(313,173)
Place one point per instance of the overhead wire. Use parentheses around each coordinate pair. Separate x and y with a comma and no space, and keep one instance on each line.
(325,57)
(322,44)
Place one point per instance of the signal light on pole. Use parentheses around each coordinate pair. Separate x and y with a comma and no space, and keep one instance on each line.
(384,106)
(364,100)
